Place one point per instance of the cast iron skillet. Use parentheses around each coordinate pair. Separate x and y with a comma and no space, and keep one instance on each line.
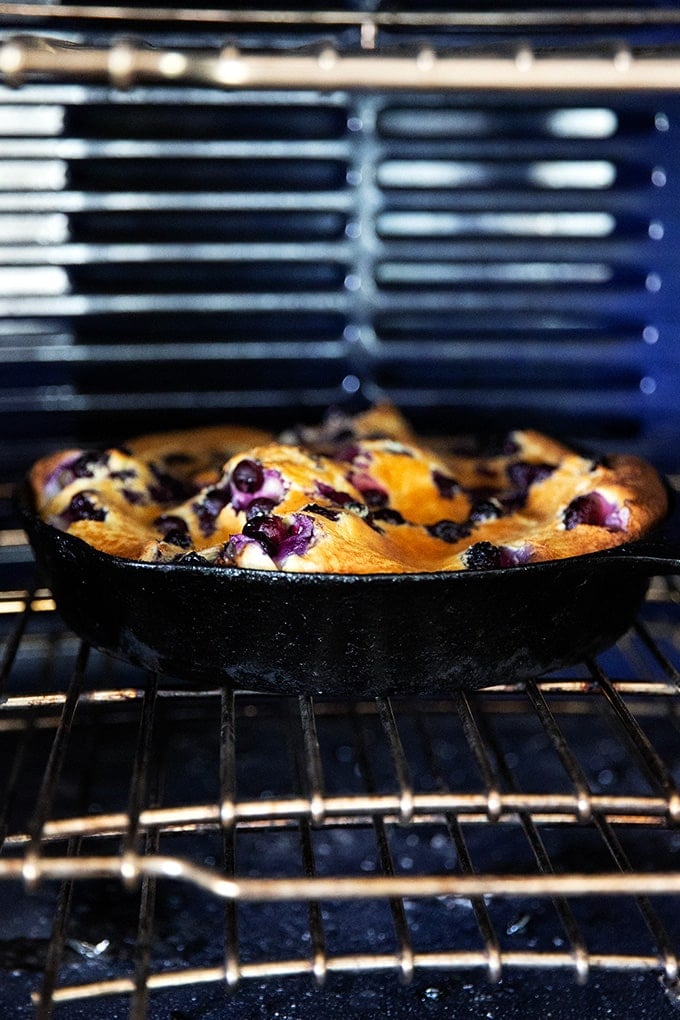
(349,635)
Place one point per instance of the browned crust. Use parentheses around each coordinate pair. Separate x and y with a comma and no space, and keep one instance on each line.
(199,442)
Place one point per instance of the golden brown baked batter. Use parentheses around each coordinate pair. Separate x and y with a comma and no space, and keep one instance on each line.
(353,496)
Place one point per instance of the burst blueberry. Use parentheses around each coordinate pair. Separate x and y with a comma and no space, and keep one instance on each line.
(81,508)
(267,529)
(133,497)
(593,508)
(347,453)
(299,537)
(280,538)
(251,481)
(247,476)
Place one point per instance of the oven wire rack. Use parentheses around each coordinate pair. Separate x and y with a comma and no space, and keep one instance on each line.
(58,693)
(125,63)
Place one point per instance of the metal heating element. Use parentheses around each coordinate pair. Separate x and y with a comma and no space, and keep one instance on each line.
(251,215)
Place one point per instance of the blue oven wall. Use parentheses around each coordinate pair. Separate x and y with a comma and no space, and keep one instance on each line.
(173,255)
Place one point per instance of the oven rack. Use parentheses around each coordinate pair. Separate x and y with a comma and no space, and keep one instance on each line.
(486,802)
(128,62)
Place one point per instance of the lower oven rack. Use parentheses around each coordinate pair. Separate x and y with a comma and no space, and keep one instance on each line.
(527,828)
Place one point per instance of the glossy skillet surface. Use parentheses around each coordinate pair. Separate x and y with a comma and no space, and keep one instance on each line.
(349,635)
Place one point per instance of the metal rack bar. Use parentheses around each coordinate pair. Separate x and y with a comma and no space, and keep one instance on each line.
(147,782)
(227,780)
(454,961)
(563,750)
(139,783)
(284,890)
(471,728)
(313,769)
(497,18)
(657,654)
(455,830)
(650,760)
(125,64)
(14,640)
(45,997)
(537,845)
(309,778)
(31,863)
(318,953)
(401,768)
(396,901)
(654,924)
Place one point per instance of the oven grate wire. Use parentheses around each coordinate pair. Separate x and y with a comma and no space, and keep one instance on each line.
(391,745)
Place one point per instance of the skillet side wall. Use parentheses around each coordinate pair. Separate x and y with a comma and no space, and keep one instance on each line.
(340,635)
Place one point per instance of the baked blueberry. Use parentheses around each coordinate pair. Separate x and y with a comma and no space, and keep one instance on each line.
(86,464)
(487,556)
(593,508)
(322,511)
(448,531)
(81,508)
(209,507)
(247,476)
(259,506)
(280,538)
(486,510)
(387,514)
(298,538)
(446,486)
(133,497)
(190,559)
(167,488)
(267,529)
(372,493)
(250,481)
(522,473)
(335,496)
(491,445)
(174,530)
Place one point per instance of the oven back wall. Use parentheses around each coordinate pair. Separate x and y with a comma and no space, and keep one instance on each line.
(176,255)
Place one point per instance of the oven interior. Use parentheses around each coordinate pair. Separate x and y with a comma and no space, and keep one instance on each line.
(183,244)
